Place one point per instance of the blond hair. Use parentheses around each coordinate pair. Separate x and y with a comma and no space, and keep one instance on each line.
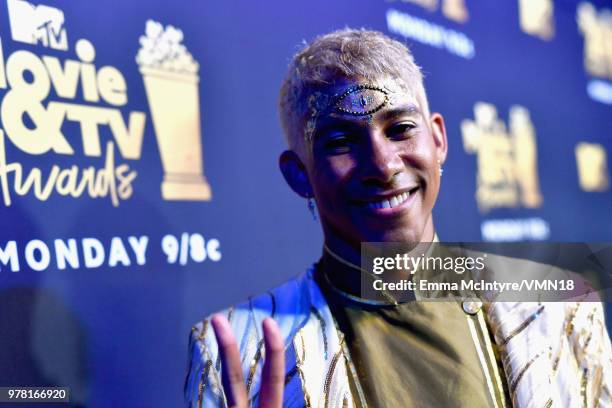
(347,54)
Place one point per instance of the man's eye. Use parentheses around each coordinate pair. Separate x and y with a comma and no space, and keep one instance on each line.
(337,143)
(401,130)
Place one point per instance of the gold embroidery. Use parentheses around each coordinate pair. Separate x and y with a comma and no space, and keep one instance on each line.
(217,387)
(202,334)
(322,324)
(590,318)
(522,326)
(303,346)
(254,363)
(230,314)
(288,377)
(351,366)
(548,403)
(569,328)
(583,386)
(330,375)
(298,366)
(259,351)
(523,371)
(202,385)
(201,338)
(558,358)
(596,387)
(588,340)
(248,344)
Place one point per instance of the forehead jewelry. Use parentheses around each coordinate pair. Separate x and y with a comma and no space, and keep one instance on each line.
(362,100)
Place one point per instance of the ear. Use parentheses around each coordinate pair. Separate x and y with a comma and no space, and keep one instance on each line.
(438,130)
(295,173)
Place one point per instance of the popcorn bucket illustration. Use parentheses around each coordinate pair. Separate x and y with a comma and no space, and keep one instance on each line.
(171,79)
(175,109)
(592,167)
(536,18)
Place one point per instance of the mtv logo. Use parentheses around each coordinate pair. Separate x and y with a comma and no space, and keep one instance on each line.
(32,24)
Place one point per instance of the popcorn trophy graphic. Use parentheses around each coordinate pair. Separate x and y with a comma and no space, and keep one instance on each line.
(455,10)
(452,9)
(592,166)
(170,76)
(536,17)
(596,27)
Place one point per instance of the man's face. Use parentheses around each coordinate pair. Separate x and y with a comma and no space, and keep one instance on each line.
(376,177)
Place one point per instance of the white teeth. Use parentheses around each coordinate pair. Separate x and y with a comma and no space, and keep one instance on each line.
(390,203)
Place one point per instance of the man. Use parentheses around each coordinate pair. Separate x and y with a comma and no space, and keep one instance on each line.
(364,146)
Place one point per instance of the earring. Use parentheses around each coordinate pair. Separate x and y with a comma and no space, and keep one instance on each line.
(311,207)
(440,169)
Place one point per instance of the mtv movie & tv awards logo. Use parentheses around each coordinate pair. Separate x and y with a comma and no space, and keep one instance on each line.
(41,96)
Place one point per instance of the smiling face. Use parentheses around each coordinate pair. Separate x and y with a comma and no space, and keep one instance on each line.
(372,164)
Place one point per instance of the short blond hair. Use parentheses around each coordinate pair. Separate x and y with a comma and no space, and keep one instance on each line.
(347,53)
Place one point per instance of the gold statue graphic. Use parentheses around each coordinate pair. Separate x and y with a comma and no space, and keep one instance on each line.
(171,80)
(455,10)
(597,31)
(507,161)
(452,9)
(536,18)
(592,166)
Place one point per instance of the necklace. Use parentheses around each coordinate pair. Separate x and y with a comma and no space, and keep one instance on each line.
(390,299)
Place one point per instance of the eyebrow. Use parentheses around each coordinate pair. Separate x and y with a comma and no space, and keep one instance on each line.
(342,121)
(400,110)
(408,109)
(330,123)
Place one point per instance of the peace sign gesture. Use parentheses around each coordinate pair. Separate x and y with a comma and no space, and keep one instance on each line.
(273,374)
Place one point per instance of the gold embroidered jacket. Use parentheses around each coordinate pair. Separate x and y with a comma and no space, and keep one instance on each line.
(554,354)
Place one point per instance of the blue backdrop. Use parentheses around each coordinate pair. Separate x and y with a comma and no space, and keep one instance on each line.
(109,253)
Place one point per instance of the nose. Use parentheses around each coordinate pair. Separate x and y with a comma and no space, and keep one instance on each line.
(380,162)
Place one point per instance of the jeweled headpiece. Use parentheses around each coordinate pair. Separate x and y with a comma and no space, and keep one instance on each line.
(357,100)
(361,100)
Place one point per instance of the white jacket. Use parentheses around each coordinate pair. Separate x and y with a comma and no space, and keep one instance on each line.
(565,345)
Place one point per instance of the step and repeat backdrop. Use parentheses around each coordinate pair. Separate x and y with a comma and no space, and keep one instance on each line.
(139,186)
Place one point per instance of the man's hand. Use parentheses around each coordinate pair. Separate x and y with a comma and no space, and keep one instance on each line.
(273,375)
